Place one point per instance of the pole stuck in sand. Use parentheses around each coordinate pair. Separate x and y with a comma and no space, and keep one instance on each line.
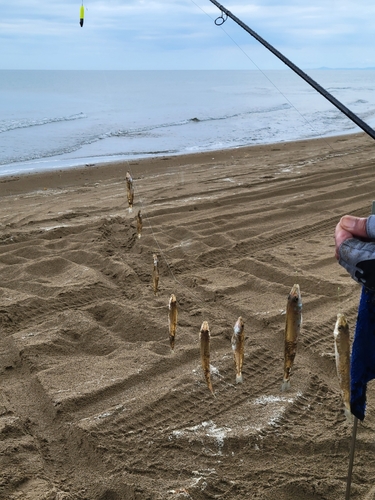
(351,459)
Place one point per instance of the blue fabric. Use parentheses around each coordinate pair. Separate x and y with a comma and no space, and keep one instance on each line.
(362,368)
(370,227)
(358,258)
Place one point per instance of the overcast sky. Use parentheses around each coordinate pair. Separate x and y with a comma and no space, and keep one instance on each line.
(181,34)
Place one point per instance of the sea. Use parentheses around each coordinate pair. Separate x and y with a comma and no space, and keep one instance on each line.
(53,120)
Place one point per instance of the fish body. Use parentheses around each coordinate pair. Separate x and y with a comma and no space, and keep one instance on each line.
(131,199)
(130,191)
(139,224)
(129,180)
(238,341)
(155,274)
(204,337)
(172,319)
(341,337)
(292,329)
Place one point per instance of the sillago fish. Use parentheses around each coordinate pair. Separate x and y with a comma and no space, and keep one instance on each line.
(139,224)
(155,274)
(238,340)
(341,337)
(130,191)
(204,336)
(172,319)
(292,329)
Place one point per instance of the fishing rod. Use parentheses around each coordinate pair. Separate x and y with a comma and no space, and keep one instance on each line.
(352,116)
(365,313)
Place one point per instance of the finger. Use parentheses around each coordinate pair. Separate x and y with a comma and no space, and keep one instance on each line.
(356,226)
(340,236)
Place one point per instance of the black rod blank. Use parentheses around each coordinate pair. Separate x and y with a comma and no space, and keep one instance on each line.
(352,116)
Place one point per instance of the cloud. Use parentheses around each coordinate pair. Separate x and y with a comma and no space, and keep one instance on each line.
(181,34)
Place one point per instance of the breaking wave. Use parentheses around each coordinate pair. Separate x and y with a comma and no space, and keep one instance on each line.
(14,125)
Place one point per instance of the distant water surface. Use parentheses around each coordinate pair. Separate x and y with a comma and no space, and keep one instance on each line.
(60,119)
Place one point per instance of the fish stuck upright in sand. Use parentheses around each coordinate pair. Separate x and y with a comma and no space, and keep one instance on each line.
(130,191)
(139,224)
(292,329)
(155,274)
(172,319)
(341,337)
(238,340)
(204,337)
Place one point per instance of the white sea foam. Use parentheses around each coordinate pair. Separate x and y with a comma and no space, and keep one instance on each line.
(61,119)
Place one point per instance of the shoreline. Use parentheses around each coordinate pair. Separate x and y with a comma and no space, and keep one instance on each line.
(17,183)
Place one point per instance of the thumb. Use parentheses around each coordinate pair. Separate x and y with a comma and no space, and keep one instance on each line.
(354,225)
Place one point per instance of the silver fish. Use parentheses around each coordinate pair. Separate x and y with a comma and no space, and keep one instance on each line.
(172,319)
(139,224)
(238,340)
(204,337)
(155,274)
(292,329)
(130,191)
(341,337)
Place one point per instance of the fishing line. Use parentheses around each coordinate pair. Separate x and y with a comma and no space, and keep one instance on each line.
(219,21)
(220,24)
(161,252)
(339,299)
(184,287)
(198,300)
(165,257)
(313,129)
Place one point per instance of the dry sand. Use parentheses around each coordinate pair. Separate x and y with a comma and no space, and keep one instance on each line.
(93,403)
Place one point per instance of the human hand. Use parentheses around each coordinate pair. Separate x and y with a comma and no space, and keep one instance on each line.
(349,227)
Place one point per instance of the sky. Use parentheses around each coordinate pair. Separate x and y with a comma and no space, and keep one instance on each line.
(182,35)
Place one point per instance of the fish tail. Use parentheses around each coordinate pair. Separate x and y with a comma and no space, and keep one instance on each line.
(156,284)
(238,362)
(285,386)
(139,223)
(209,383)
(171,342)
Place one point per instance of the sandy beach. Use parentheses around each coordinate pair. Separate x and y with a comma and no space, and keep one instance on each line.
(94,405)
